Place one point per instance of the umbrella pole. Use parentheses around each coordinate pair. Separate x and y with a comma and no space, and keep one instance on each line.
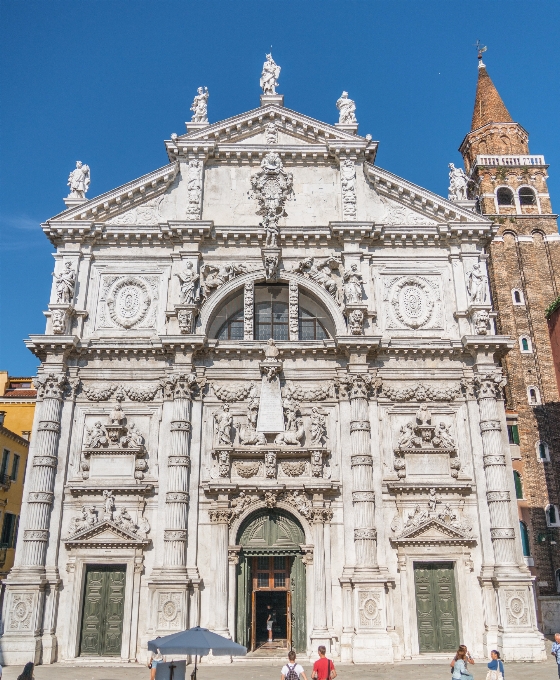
(193,674)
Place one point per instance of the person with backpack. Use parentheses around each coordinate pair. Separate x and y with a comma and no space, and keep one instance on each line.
(323,668)
(292,670)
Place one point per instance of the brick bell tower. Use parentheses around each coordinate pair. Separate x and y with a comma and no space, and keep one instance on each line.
(510,187)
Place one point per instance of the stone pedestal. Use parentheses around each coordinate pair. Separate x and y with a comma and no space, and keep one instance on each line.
(276,99)
(193,127)
(72,201)
(351,128)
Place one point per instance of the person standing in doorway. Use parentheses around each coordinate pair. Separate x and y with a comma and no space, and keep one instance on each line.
(269,622)
(323,668)
(292,670)
(555,651)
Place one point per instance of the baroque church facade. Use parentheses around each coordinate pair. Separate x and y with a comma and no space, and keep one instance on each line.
(270,381)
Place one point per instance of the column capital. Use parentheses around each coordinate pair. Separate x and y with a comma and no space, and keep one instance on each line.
(220,515)
(54,385)
(180,385)
(321,515)
(489,384)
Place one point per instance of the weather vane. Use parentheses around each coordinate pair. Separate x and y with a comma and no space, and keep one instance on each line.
(480,48)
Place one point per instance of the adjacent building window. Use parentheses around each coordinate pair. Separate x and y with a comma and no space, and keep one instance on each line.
(15,467)
(533,395)
(513,434)
(525,345)
(543,452)
(527,196)
(552,516)
(524,539)
(517,297)
(4,466)
(9,530)
(504,196)
(518,484)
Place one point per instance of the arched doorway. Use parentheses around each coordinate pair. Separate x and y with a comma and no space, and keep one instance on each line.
(271,579)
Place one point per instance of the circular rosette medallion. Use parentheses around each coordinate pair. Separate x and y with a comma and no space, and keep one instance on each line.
(129,301)
(413,301)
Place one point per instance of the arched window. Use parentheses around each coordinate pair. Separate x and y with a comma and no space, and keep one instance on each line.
(525,345)
(543,453)
(232,329)
(310,328)
(517,297)
(504,196)
(518,484)
(533,395)
(527,196)
(524,539)
(552,515)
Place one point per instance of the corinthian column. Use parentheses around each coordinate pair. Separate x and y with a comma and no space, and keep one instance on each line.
(220,519)
(363,497)
(488,388)
(50,388)
(179,388)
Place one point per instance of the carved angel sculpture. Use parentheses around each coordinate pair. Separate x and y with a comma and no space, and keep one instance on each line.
(444,436)
(406,437)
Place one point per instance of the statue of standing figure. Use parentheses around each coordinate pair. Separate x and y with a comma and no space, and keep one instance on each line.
(200,106)
(224,422)
(352,285)
(476,284)
(65,282)
(79,180)
(458,183)
(347,108)
(188,279)
(269,75)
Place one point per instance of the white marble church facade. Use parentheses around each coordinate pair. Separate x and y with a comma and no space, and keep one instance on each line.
(359,462)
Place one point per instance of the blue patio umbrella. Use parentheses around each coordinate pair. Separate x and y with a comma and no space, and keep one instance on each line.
(198,642)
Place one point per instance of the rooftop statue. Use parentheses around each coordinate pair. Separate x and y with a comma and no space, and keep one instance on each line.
(269,75)
(458,182)
(200,106)
(347,109)
(79,180)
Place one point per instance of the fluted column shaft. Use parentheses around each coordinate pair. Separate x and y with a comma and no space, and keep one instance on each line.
(220,519)
(497,487)
(319,596)
(363,497)
(36,534)
(178,465)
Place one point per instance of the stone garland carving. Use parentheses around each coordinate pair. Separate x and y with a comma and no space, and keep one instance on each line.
(477,284)
(420,392)
(356,386)
(114,436)
(194,189)
(271,133)
(316,393)
(269,76)
(79,181)
(141,393)
(237,392)
(105,392)
(65,284)
(293,468)
(481,322)
(348,182)
(356,322)
(224,422)
(215,276)
(200,106)
(321,273)
(246,469)
(188,280)
(88,517)
(271,187)
(347,108)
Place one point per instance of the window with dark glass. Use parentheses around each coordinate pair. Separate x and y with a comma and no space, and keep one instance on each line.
(542,449)
(533,396)
(527,196)
(310,328)
(505,196)
(15,467)
(8,530)
(4,466)
(524,539)
(518,484)
(524,344)
(552,516)
(513,434)
(232,329)
(517,296)
(271,312)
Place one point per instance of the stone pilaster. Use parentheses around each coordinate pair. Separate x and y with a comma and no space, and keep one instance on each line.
(220,518)
(320,635)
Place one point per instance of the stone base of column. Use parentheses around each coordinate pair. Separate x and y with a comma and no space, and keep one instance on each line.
(318,638)
(347,647)
(24,601)
(518,637)
(169,601)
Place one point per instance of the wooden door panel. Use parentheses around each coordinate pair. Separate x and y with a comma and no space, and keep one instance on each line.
(103,611)
(436,607)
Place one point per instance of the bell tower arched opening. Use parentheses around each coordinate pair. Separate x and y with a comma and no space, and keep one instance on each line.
(271,582)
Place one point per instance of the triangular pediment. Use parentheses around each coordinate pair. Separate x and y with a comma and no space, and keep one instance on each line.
(433,530)
(107,534)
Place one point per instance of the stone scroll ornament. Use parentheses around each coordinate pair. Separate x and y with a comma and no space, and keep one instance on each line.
(348,183)
(271,187)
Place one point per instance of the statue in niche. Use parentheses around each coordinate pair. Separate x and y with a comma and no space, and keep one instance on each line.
(318,427)
(269,76)
(200,106)
(458,183)
(96,436)
(188,278)
(476,284)
(347,108)
(65,283)
(79,181)
(109,505)
(116,417)
(352,285)
(224,422)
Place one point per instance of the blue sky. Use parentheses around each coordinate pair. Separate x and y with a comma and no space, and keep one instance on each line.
(107,81)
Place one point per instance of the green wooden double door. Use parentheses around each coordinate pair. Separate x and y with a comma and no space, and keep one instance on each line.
(103,610)
(436,607)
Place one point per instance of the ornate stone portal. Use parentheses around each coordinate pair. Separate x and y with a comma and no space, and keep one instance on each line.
(269,326)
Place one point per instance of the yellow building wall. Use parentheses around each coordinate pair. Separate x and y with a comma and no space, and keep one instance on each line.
(19,411)
(10,499)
